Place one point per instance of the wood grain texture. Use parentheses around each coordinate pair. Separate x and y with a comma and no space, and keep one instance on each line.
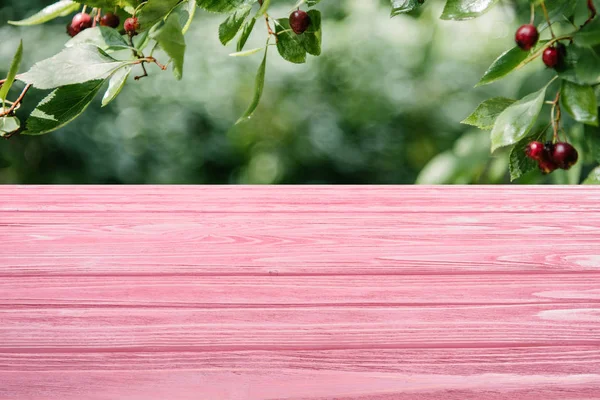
(349,293)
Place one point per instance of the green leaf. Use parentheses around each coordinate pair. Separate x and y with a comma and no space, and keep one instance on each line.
(232,25)
(404,6)
(589,35)
(8,125)
(580,102)
(101,36)
(593,178)
(248,27)
(466,9)
(311,39)
(486,113)
(259,85)
(116,84)
(581,66)
(558,10)
(191,11)
(592,142)
(519,163)
(289,44)
(61,106)
(169,36)
(58,9)
(73,65)
(509,61)
(12,72)
(503,65)
(516,121)
(263,9)
(223,6)
(246,53)
(155,11)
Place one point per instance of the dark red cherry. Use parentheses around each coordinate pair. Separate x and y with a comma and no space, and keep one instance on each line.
(527,36)
(111,20)
(564,155)
(299,21)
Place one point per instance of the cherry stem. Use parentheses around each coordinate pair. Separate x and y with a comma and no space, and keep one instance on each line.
(592,8)
(555,115)
(543,5)
(17,102)
(531,20)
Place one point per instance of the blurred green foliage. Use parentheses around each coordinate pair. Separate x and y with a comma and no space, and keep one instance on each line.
(385,98)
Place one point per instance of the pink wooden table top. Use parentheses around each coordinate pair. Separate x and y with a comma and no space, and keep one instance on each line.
(299,293)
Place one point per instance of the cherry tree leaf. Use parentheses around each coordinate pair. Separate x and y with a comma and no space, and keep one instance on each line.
(169,36)
(259,85)
(116,84)
(58,9)
(61,106)
(466,9)
(12,72)
(71,66)
(515,122)
(486,113)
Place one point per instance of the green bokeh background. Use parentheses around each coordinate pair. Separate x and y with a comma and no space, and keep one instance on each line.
(385,98)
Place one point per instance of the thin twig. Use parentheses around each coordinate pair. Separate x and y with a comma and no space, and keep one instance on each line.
(16,103)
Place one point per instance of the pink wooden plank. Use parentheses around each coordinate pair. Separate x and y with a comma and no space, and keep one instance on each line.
(299,293)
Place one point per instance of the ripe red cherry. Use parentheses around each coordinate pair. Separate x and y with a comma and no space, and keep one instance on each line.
(551,57)
(299,22)
(131,26)
(545,162)
(111,20)
(564,155)
(79,23)
(527,36)
(72,32)
(535,150)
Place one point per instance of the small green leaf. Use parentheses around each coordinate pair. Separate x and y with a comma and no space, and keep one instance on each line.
(246,53)
(223,6)
(58,9)
(289,44)
(486,113)
(466,9)
(503,65)
(116,84)
(246,31)
(232,25)
(404,6)
(593,178)
(517,120)
(311,39)
(580,102)
(12,73)
(155,11)
(168,34)
(61,106)
(589,35)
(519,163)
(259,85)
(9,125)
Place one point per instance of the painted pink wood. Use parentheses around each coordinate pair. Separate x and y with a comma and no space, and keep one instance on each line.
(255,293)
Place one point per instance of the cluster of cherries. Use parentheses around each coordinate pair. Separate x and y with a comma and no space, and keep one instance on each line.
(527,36)
(551,156)
(83,21)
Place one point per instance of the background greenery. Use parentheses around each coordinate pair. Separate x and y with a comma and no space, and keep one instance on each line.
(384,100)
